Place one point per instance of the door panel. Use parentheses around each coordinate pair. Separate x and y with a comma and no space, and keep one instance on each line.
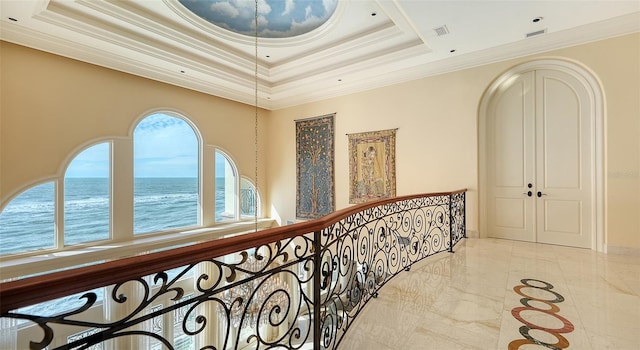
(539,132)
(512,213)
(562,216)
(563,159)
(560,141)
(510,167)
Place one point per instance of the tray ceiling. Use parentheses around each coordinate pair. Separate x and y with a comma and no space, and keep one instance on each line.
(365,44)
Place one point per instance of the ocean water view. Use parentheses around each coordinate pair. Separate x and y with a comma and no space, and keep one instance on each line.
(166,159)
(28,222)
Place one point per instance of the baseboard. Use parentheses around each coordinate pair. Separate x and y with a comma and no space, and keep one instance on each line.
(622,250)
(473,234)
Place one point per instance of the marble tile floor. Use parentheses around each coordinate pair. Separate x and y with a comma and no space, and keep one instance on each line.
(489,291)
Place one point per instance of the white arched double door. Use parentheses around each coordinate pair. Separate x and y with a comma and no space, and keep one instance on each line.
(539,153)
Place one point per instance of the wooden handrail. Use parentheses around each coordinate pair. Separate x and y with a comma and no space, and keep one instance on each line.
(33,290)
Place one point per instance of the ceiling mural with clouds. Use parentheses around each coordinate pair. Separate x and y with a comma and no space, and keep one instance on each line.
(276,18)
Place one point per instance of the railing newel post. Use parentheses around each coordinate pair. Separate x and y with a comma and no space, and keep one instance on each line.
(464,214)
(317,246)
(451,223)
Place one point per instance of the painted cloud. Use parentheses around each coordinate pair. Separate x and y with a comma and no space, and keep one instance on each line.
(276,18)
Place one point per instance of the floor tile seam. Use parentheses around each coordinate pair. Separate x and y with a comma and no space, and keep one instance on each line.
(595,336)
(620,280)
(473,295)
(395,309)
(391,289)
(455,339)
(586,314)
(629,334)
(590,314)
(582,271)
(420,309)
(633,275)
(600,342)
(603,287)
(535,259)
(375,337)
(379,345)
(424,270)
(375,328)
(462,326)
(447,314)
(507,306)
(400,305)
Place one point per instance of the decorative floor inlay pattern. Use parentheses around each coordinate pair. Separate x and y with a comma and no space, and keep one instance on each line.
(532,303)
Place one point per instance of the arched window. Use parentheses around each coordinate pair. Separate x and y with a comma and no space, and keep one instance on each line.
(27,223)
(226,184)
(248,198)
(166,168)
(87,196)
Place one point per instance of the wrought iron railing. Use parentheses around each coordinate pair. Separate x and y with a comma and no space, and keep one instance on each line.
(298,286)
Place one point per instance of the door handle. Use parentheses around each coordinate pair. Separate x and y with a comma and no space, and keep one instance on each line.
(529,193)
(540,194)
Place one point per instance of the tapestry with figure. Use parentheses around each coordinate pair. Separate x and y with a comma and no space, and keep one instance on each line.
(314,161)
(372,165)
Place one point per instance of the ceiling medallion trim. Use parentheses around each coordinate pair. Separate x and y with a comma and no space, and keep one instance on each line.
(227,34)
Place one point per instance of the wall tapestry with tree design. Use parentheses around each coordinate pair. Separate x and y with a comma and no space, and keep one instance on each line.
(315,167)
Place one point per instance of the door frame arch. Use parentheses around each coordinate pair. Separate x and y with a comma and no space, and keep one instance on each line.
(594,88)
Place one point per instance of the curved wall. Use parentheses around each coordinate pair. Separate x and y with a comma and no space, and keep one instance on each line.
(51,105)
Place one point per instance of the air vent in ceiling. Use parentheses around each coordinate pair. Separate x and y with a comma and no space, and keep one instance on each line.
(443,30)
(537,32)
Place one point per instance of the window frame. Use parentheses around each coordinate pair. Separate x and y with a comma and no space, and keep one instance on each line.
(60,216)
(257,196)
(121,187)
(54,200)
(199,171)
(235,183)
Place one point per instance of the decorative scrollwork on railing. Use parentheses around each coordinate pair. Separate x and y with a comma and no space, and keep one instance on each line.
(307,289)
(256,301)
(458,230)
(364,251)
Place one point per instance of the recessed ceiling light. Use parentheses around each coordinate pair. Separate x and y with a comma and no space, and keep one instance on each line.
(268,56)
(536,20)
(452,51)
(182,71)
(373,14)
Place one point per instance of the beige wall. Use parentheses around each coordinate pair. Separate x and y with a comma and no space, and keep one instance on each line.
(435,142)
(437,121)
(52,105)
